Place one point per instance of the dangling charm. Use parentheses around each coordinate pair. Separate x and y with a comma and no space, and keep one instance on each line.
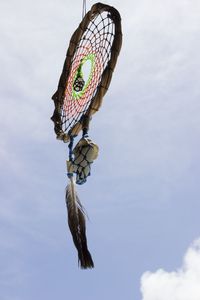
(80,160)
(79,82)
(85,152)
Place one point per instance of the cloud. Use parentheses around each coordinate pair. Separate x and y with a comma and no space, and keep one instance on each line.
(182,284)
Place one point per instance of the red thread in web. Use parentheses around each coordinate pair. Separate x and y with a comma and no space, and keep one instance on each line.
(73,106)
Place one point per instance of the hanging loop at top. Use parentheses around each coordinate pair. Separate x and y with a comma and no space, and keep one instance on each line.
(84,9)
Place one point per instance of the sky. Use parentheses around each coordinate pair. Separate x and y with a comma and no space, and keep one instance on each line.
(143,196)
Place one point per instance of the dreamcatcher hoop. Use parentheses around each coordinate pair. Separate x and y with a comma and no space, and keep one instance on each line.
(98,41)
(85,78)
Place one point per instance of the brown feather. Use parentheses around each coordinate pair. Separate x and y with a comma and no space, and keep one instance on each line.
(77,225)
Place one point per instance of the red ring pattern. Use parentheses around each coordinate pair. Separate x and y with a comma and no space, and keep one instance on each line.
(74,107)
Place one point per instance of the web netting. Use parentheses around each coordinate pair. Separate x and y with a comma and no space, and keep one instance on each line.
(90,59)
(84,154)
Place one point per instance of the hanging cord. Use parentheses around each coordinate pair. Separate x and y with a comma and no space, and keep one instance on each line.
(70,173)
(70,146)
(85,126)
(84,9)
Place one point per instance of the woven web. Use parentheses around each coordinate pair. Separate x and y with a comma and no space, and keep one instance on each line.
(82,164)
(94,52)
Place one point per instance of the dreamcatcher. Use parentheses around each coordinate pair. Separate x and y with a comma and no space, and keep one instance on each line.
(87,72)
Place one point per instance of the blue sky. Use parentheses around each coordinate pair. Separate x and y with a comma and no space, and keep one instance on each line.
(143,196)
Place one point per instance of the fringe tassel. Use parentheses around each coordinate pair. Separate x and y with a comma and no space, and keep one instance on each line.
(77,225)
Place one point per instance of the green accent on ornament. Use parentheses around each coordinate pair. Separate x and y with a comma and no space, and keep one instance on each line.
(79,73)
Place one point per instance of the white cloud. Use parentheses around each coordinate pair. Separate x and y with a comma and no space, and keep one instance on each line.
(182,284)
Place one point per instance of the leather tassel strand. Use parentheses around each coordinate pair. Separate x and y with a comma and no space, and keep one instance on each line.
(77,225)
